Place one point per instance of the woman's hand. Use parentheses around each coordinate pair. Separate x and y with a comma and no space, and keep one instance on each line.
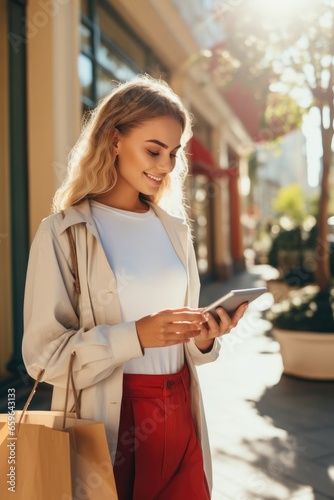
(169,327)
(212,329)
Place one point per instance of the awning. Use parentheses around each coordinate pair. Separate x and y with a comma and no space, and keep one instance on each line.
(249,110)
(202,163)
(247,103)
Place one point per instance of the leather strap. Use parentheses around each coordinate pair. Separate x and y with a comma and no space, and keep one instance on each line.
(74,258)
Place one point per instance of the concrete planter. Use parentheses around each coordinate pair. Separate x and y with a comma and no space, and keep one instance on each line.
(307,355)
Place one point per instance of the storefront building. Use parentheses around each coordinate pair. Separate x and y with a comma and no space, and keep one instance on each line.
(59,57)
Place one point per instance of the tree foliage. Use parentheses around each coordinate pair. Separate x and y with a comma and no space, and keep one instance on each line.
(285,47)
(282,114)
(290,201)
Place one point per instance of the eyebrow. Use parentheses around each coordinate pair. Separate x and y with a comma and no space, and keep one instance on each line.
(159,143)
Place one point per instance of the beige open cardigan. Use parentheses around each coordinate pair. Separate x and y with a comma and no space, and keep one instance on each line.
(102,343)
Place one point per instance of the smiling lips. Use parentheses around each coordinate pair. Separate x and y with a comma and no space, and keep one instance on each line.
(153,178)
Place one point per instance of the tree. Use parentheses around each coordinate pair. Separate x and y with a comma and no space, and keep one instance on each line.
(285,47)
(290,201)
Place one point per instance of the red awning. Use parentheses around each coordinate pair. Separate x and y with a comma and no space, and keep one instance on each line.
(248,109)
(242,100)
(202,163)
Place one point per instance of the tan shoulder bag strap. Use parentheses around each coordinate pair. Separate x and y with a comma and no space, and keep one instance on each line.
(74,258)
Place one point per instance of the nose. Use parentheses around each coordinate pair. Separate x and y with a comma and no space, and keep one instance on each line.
(165,165)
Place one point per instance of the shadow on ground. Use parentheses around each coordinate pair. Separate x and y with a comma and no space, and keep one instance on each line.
(304,410)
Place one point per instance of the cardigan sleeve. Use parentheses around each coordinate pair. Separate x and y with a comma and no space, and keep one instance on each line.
(51,321)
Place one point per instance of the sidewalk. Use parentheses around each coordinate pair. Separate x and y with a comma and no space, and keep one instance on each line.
(272,436)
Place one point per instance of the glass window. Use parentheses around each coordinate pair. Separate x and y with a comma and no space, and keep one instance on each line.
(86,38)
(86,76)
(109,60)
(110,52)
(126,41)
(104,83)
(201,196)
(199,218)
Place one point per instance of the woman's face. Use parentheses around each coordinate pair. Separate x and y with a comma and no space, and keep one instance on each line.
(147,154)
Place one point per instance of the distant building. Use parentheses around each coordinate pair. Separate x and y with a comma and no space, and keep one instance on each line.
(279,165)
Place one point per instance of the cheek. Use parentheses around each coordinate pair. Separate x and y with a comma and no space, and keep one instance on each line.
(142,161)
(127,159)
(134,162)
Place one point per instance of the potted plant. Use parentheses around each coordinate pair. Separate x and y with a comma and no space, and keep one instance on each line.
(303,324)
(302,314)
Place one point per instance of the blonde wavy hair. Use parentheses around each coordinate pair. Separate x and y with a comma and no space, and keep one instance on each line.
(92,170)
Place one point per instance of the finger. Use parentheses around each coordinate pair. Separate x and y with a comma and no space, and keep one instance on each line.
(212,324)
(183,327)
(223,315)
(186,316)
(174,342)
(239,313)
(187,335)
(226,324)
(179,338)
(183,310)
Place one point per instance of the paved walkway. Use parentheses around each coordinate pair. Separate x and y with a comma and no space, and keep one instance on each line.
(272,436)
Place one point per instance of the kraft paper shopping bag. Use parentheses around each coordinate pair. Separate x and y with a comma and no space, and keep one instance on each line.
(55,464)
(54,455)
(92,472)
(35,463)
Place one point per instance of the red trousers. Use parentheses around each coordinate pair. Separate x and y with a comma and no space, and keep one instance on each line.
(158,456)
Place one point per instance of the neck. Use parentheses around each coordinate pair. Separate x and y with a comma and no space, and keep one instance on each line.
(112,200)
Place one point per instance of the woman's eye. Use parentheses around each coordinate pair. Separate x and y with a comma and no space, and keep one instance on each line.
(157,153)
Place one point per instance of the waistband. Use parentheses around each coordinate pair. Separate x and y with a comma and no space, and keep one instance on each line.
(155,385)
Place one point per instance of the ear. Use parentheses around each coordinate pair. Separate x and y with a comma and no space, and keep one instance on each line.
(115,139)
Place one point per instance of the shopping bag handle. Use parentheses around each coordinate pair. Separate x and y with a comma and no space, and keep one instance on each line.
(31,395)
(74,391)
(70,380)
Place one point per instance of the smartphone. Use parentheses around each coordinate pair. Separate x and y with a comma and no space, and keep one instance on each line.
(232,300)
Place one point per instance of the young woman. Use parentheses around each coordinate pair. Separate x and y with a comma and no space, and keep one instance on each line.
(136,327)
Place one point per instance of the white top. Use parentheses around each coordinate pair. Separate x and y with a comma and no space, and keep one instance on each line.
(150,276)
